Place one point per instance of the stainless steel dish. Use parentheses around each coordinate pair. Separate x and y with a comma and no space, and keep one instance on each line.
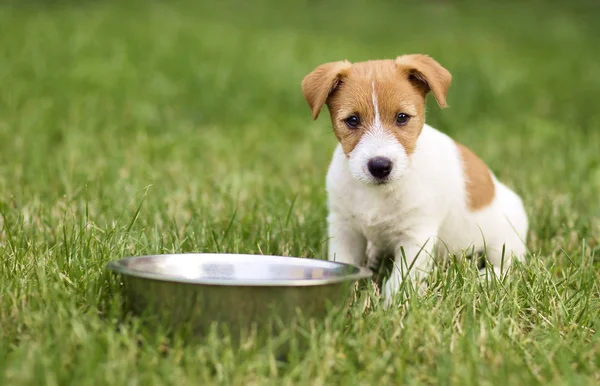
(238,293)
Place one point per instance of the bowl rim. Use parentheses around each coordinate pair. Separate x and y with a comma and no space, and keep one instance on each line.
(118,267)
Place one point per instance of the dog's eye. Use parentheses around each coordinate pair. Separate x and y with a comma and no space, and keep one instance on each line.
(402,119)
(352,121)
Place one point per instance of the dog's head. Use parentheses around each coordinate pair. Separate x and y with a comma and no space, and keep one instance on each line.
(377,109)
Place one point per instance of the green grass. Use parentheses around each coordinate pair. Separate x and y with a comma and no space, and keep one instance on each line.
(193,114)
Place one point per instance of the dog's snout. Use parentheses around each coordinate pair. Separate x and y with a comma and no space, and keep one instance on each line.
(380,167)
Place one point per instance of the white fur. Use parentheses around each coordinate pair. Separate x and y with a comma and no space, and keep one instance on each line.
(423,205)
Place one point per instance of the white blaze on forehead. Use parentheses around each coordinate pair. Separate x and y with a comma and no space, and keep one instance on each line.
(377,135)
(377,122)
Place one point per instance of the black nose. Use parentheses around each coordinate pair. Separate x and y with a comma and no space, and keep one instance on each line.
(380,167)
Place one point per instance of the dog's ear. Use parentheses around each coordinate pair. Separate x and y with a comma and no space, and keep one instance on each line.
(427,75)
(319,84)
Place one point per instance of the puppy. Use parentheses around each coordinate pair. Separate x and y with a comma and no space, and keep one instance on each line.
(398,186)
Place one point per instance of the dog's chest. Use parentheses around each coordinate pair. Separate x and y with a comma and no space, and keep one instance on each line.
(381,216)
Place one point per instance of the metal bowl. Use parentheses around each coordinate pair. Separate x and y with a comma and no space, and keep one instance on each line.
(238,293)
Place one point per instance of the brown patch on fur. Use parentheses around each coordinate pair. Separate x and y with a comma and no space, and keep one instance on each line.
(317,85)
(428,74)
(400,86)
(479,185)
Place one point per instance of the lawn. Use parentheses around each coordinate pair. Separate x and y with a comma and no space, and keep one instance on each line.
(130,128)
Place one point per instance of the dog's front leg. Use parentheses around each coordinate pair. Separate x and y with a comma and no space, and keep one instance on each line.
(373,256)
(346,243)
(413,260)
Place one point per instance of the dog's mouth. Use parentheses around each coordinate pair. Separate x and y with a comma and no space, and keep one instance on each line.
(378,181)
(381,181)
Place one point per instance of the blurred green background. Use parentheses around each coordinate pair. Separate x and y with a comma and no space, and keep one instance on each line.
(139,127)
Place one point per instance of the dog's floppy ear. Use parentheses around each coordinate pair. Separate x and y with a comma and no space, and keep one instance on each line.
(427,74)
(317,85)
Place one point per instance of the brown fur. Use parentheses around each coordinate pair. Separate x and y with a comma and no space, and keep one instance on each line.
(430,75)
(317,85)
(401,86)
(478,180)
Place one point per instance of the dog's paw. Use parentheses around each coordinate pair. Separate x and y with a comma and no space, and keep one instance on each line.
(389,291)
(394,284)
(492,274)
